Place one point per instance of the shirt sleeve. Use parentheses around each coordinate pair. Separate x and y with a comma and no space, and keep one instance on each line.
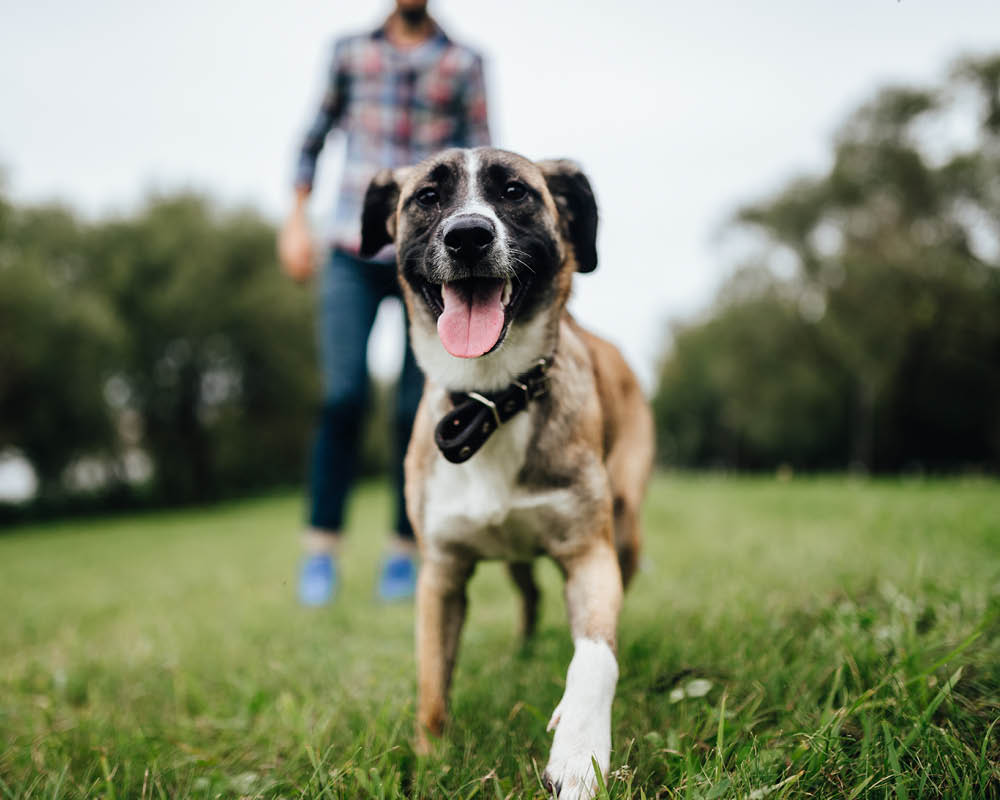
(474,130)
(330,113)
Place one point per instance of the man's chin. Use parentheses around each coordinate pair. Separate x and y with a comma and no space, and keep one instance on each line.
(414,16)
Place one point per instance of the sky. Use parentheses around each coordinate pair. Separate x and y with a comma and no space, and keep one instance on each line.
(679,112)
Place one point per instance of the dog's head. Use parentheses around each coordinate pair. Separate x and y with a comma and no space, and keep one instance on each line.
(487,243)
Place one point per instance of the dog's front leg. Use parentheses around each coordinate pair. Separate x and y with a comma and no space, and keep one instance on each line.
(582,720)
(441,604)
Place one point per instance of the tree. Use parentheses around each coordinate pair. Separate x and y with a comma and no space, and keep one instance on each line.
(896,284)
(169,334)
(752,387)
(219,363)
(59,339)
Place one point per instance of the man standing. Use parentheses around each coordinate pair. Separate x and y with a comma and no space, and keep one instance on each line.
(398,94)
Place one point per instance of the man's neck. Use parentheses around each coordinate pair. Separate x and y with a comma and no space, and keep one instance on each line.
(403,33)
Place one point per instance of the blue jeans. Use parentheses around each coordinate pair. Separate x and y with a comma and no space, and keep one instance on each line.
(349,296)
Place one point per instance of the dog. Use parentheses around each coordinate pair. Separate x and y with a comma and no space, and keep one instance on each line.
(533,436)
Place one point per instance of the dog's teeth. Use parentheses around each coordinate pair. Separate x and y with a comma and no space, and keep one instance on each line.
(507,289)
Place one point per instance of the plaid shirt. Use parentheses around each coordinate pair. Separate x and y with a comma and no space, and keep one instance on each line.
(396,108)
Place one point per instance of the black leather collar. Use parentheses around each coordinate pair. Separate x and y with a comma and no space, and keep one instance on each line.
(474,418)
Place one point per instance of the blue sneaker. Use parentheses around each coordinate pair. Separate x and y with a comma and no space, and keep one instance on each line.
(398,580)
(317,579)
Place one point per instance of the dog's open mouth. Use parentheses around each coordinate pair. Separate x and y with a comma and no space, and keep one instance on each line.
(473,314)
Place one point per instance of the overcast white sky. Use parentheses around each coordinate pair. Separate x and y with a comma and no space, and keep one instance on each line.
(679,111)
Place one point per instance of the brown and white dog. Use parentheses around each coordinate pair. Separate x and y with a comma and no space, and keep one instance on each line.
(533,436)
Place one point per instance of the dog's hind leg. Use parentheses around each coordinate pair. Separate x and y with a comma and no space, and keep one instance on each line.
(523,576)
(627,538)
(441,606)
(629,464)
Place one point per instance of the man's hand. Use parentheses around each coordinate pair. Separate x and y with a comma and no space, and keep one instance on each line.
(295,245)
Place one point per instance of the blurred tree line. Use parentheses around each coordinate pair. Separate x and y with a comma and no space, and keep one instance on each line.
(864,331)
(162,358)
(158,358)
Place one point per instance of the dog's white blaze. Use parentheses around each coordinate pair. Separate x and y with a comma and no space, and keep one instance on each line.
(524,344)
(476,204)
(582,720)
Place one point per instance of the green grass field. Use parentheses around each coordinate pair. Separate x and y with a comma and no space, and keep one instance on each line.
(823,638)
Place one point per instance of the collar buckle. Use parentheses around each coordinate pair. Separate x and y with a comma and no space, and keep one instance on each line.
(486,402)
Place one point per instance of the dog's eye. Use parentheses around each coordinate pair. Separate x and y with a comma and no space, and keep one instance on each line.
(514,191)
(427,197)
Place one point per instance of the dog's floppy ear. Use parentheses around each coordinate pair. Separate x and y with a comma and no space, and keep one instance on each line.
(378,215)
(574,198)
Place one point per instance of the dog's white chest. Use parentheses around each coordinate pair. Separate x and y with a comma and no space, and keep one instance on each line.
(479,506)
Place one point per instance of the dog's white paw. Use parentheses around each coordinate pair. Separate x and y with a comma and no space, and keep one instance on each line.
(582,722)
(570,771)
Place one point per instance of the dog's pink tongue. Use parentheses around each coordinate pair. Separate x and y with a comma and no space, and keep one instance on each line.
(472,318)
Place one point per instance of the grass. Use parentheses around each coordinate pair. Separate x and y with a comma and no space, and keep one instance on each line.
(823,638)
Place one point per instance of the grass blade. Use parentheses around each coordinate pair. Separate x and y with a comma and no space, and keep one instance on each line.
(720,734)
(893,757)
(931,708)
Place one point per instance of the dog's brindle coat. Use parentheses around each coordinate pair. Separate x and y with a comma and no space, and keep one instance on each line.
(563,478)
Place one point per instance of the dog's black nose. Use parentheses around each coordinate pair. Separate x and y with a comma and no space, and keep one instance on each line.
(469,237)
